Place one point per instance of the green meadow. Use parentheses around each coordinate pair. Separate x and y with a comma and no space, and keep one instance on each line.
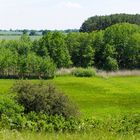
(97,96)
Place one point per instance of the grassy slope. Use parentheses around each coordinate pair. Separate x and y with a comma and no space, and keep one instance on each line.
(98,96)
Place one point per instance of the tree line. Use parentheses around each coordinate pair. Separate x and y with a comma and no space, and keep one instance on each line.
(116,47)
(101,22)
(17,32)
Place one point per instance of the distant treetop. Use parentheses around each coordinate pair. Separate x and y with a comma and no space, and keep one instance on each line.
(102,22)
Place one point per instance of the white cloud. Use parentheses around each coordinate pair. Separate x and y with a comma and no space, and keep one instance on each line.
(69,4)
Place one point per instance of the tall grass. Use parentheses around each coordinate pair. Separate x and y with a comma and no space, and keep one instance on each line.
(119,73)
(64,71)
(15,135)
(68,71)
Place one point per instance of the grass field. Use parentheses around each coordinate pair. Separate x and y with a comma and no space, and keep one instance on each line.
(16,37)
(97,96)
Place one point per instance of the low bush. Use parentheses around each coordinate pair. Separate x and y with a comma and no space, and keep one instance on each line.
(42,98)
(126,123)
(39,122)
(9,106)
(84,72)
(11,113)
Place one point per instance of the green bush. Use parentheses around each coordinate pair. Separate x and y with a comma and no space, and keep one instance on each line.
(111,64)
(39,122)
(43,98)
(126,123)
(8,106)
(84,72)
(11,113)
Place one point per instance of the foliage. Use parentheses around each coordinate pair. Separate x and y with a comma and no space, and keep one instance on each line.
(120,37)
(110,64)
(133,52)
(9,106)
(45,99)
(18,61)
(124,124)
(25,31)
(32,33)
(98,44)
(56,46)
(102,22)
(115,48)
(80,48)
(81,72)
(114,45)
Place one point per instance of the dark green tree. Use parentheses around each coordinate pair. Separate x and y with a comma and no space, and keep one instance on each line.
(119,36)
(102,22)
(32,33)
(80,48)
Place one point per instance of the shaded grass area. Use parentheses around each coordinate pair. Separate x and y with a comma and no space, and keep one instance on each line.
(97,96)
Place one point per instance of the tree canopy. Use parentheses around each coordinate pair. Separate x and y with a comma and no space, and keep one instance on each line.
(116,47)
(102,22)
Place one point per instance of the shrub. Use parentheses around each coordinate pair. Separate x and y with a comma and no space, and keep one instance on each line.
(10,112)
(111,64)
(43,98)
(126,123)
(38,122)
(84,72)
(8,106)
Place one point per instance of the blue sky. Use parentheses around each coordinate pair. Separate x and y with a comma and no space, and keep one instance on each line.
(58,14)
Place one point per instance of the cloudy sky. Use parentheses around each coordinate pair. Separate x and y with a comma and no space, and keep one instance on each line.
(58,14)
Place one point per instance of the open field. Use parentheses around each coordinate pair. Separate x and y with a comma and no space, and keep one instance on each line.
(16,37)
(97,96)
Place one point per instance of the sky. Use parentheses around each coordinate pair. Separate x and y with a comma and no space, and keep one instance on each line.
(59,14)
